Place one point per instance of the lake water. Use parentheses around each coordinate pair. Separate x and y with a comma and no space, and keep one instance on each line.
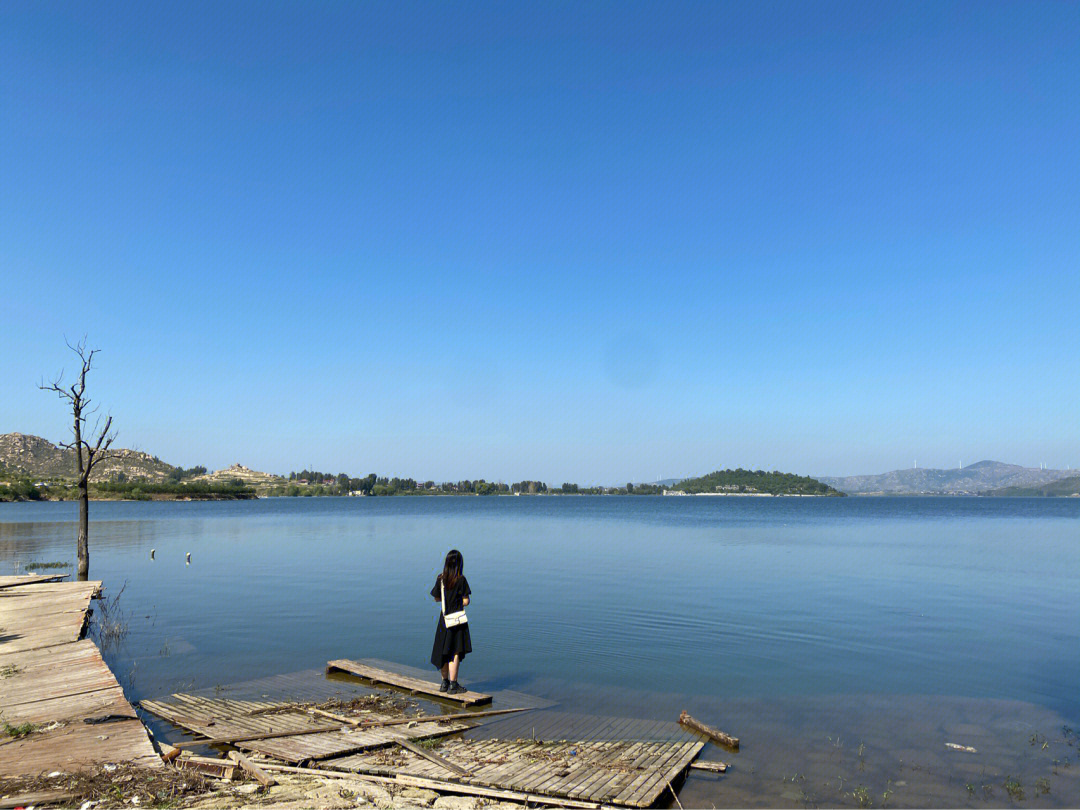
(808,627)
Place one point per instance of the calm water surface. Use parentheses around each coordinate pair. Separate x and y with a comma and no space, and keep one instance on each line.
(806,626)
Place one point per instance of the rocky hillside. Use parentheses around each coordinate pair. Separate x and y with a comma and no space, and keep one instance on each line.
(238,472)
(1062,488)
(969,480)
(40,458)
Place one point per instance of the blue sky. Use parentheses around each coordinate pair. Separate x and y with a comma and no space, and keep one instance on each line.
(592,242)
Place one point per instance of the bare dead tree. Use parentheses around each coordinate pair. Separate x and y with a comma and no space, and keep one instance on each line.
(89,452)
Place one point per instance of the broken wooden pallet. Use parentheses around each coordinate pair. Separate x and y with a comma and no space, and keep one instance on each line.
(284,733)
(628,773)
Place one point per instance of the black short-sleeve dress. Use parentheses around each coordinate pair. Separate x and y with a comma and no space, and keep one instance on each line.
(456,640)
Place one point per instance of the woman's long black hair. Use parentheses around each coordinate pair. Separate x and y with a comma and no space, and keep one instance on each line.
(451,572)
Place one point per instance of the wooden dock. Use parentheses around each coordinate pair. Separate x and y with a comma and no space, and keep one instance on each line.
(417,686)
(58,683)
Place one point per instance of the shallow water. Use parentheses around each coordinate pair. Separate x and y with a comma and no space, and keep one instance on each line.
(805,626)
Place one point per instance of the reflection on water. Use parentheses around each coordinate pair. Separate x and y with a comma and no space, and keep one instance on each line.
(780,620)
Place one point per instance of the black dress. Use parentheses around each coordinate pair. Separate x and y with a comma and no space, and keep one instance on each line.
(456,640)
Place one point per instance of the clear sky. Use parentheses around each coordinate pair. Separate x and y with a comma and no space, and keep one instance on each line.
(591,242)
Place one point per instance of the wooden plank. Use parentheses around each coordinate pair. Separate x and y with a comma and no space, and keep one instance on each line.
(339,744)
(714,734)
(431,756)
(428,688)
(708,765)
(260,775)
(37,799)
(9,581)
(220,768)
(239,737)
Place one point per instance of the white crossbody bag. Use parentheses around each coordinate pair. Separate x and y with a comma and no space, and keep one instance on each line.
(451,619)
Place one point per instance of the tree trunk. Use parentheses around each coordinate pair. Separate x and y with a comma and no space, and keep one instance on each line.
(84,546)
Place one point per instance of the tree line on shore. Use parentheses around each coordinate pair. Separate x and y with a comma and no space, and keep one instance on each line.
(314,483)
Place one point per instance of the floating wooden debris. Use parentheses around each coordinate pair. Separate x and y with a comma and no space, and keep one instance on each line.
(705,765)
(957,747)
(407,682)
(716,734)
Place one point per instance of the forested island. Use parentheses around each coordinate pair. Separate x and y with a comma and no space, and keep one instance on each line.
(754,482)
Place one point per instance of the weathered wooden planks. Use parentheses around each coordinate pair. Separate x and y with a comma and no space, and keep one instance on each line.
(297,735)
(43,614)
(629,773)
(407,682)
(28,579)
(61,685)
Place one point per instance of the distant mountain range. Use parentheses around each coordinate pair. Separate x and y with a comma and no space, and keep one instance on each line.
(981,477)
(40,458)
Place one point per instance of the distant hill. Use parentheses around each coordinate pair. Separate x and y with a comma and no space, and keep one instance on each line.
(969,480)
(238,472)
(40,458)
(751,482)
(1062,488)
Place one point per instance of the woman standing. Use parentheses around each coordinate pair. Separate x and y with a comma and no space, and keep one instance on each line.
(451,643)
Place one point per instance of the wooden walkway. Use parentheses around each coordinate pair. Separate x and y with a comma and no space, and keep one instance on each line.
(415,685)
(623,772)
(58,683)
(303,737)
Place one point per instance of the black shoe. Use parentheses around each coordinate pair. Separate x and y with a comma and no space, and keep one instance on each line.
(445,685)
(456,688)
